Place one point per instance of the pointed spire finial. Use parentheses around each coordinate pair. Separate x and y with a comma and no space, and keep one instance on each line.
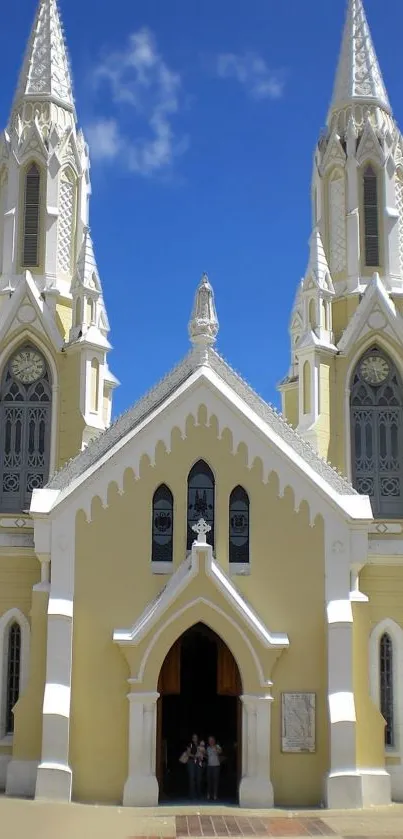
(359,78)
(318,268)
(45,73)
(203,324)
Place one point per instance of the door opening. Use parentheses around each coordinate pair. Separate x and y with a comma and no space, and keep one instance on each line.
(199,688)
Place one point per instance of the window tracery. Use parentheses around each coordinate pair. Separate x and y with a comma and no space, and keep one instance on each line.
(163,523)
(376,432)
(239,526)
(25,423)
(201,491)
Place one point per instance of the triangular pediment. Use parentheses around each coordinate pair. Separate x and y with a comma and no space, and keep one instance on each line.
(369,147)
(26,308)
(334,154)
(375,314)
(213,586)
(253,423)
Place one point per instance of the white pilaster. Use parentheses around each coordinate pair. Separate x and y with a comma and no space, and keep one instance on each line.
(256,789)
(347,785)
(141,788)
(54,777)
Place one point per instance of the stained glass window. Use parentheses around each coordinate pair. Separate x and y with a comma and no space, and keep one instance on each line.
(163,525)
(200,501)
(376,433)
(13,674)
(386,686)
(239,525)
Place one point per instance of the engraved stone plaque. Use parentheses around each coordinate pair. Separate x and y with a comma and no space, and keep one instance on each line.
(298,722)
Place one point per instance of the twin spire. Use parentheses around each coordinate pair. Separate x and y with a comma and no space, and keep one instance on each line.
(45,73)
(359,78)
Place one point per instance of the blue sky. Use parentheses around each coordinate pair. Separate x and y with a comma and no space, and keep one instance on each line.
(202,118)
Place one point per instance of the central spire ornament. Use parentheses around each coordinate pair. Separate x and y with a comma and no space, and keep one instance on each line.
(203,324)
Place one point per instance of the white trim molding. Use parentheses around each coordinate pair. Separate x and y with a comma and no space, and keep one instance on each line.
(12,616)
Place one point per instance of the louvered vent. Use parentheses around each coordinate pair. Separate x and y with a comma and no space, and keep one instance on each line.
(31,218)
(371,223)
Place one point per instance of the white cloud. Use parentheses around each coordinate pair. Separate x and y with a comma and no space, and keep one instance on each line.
(251,71)
(147,94)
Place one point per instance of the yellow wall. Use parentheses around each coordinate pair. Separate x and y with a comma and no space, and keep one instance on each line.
(370,723)
(114,583)
(384,586)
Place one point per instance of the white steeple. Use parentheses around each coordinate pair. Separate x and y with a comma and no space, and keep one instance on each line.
(359,78)
(203,324)
(90,321)
(318,269)
(45,73)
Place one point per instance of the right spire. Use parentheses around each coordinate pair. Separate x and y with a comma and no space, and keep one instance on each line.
(359,78)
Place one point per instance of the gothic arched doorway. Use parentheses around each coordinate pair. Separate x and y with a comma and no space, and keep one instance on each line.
(199,687)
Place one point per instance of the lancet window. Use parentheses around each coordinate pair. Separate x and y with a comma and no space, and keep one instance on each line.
(201,491)
(239,525)
(163,525)
(32,193)
(371,217)
(377,433)
(13,674)
(25,425)
(386,686)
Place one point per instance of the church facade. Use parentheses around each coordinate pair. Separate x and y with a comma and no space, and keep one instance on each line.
(199,565)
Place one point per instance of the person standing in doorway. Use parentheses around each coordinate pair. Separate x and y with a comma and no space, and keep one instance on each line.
(196,753)
(213,768)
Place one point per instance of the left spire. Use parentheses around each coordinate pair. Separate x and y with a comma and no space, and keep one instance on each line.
(45,73)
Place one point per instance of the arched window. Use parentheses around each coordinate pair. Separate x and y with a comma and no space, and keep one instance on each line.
(25,422)
(163,525)
(239,526)
(94,385)
(200,501)
(306,383)
(13,674)
(386,686)
(32,193)
(66,222)
(376,433)
(371,217)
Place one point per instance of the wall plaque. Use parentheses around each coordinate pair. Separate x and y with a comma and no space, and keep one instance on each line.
(298,722)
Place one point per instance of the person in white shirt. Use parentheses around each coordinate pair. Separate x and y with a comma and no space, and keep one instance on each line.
(213,768)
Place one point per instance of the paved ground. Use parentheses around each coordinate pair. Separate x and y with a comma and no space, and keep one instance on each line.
(20,819)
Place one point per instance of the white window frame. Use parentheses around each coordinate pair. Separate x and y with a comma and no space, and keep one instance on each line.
(12,616)
(395,632)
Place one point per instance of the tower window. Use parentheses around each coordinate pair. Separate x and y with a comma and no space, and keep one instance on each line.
(386,686)
(200,501)
(239,525)
(371,220)
(163,522)
(13,674)
(25,423)
(377,433)
(30,257)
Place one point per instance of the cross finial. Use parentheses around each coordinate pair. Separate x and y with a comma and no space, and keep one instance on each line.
(201,528)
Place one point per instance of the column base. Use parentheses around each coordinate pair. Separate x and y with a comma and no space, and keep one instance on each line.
(396,779)
(256,792)
(358,790)
(54,782)
(21,778)
(141,791)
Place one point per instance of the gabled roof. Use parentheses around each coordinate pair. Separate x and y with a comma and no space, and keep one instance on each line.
(128,422)
(359,78)
(45,71)
(375,311)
